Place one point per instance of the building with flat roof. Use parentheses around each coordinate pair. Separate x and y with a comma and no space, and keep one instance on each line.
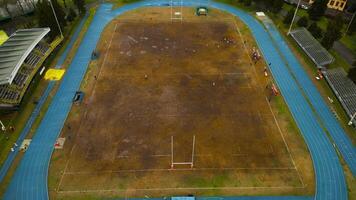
(334,4)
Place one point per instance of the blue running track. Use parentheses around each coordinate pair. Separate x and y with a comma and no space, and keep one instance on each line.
(30,179)
(11,156)
(324,114)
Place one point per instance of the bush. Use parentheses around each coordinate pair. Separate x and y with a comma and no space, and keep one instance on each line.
(315,30)
(289,17)
(352,74)
(303,21)
(71,15)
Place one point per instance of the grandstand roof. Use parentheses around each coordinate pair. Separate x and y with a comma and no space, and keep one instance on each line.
(343,87)
(15,50)
(312,47)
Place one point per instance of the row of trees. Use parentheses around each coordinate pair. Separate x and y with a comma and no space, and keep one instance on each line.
(272,5)
(20,4)
(46,18)
(333,31)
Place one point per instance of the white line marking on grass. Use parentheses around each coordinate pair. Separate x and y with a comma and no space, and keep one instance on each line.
(285,143)
(189,75)
(181,188)
(104,61)
(71,152)
(182,169)
(65,169)
(245,47)
(275,119)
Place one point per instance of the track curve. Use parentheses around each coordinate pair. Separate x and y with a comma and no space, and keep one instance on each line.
(30,179)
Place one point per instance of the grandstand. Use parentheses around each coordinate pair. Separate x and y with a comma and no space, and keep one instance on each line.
(317,53)
(21,55)
(344,89)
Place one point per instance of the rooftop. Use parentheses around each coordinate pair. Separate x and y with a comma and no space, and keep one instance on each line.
(14,51)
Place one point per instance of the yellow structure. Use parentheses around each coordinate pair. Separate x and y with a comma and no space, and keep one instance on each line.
(3,37)
(334,4)
(54,74)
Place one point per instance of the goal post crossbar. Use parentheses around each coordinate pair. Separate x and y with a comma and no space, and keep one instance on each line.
(182,163)
(191,163)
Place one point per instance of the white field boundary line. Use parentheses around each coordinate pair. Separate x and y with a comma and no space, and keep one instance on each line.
(269,105)
(71,151)
(242,74)
(181,188)
(127,20)
(195,155)
(246,49)
(195,115)
(285,143)
(104,61)
(183,169)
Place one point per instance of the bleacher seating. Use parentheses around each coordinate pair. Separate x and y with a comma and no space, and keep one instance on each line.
(42,47)
(7,94)
(343,88)
(312,47)
(16,72)
(32,59)
(12,93)
(20,79)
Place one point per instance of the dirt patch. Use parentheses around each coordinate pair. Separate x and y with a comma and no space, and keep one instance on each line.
(156,79)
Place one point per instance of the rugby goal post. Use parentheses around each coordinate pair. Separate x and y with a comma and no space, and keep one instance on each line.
(176,10)
(191,162)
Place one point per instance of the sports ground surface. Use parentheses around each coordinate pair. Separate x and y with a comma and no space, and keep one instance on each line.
(156,80)
(30,179)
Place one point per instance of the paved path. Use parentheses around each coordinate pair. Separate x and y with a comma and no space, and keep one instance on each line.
(30,179)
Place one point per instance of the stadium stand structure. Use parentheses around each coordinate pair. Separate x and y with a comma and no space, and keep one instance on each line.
(344,89)
(319,55)
(20,58)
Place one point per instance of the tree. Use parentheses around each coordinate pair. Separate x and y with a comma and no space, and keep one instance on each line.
(5,4)
(80,5)
(276,5)
(352,74)
(315,30)
(71,15)
(317,9)
(289,17)
(247,2)
(333,32)
(59,12)
(46,18)
(303,21)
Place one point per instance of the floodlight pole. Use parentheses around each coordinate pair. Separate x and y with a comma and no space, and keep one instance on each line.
(352,19)
(55,16)
(295,14)
(3,128)
(352,119)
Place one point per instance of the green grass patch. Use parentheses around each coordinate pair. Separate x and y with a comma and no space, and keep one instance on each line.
(350,42)
(339,61)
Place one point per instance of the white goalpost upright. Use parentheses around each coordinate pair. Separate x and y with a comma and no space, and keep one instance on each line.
(176,10)
(191,162)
